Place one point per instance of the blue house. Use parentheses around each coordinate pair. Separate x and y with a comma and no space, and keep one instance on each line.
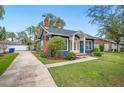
(75,41)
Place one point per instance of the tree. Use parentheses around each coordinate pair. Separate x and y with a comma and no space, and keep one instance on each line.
(33,31)
(54,21)
(2,29)
(55,43)
(110,21)
(2,12)
(11,35)
(22,37)
(2,33)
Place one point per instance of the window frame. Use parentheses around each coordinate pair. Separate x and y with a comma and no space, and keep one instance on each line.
(90,47)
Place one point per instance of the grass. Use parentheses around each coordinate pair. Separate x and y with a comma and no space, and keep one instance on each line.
(45,60)
(108,70)
(5,61)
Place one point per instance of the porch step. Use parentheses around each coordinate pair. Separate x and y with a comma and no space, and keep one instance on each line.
(81,55)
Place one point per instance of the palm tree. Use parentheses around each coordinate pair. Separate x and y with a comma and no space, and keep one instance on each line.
(22,37)
(33,31)
(2,12)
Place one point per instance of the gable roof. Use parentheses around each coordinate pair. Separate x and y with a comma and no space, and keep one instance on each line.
(89,36)
(65,32)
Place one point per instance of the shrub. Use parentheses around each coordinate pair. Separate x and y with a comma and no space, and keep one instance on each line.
(43,54)
(96,50)
(71,56)
(98,54)
(101,47)
(56,43)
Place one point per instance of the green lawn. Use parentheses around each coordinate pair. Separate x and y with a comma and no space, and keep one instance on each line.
(45,60)
(5,61)
(108,70)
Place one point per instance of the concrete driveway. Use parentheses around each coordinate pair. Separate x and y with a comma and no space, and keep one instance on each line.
(26,71)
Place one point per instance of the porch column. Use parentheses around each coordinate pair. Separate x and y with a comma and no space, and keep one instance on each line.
(84,44)
(73,43)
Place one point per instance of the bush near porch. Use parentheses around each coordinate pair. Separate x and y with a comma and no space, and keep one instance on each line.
(108,70)
(5,61)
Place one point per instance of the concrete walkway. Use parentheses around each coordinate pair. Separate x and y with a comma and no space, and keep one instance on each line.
(70,62)
(26,71)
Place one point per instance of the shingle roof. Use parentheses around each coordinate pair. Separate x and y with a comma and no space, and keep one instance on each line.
(60,31)
(66,32)
(89,36)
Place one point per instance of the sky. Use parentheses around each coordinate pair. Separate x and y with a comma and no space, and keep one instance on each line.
(18,17)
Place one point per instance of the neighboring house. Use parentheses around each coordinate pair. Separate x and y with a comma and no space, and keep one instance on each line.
(109,45)
(75,41)
(6,45)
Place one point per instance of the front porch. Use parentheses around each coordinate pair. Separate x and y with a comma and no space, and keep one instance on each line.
(79,44)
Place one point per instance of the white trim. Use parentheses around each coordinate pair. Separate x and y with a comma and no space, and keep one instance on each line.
(91,44)
(73,38)
(76,44)
(45,29)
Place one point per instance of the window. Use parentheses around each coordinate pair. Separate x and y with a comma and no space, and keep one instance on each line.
(88,44)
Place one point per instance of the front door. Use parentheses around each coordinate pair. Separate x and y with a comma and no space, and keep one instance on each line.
(81,46)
